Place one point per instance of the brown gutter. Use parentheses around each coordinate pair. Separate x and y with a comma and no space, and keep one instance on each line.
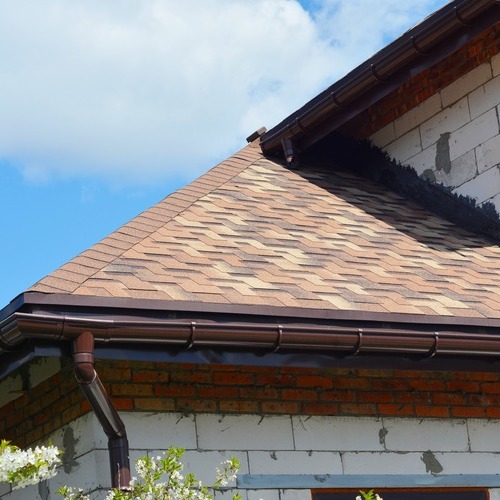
(112,425)
(428,42)
(258,337)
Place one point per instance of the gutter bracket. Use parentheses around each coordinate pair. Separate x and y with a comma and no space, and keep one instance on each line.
(434,349)
(192,335)
(459,17)
(359,343)
(418,50)
(277,345)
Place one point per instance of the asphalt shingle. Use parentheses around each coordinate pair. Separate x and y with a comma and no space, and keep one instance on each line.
(251,232)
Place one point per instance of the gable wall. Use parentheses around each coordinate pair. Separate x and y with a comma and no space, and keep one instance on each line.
(200,388)
(445,123)
(276,420)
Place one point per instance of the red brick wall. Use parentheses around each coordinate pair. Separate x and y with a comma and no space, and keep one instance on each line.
(139,386)
(425,84)
(42,410)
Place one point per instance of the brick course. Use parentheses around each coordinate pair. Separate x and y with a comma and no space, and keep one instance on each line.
(144,386)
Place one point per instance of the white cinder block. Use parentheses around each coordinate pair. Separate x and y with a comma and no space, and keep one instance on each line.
(428,434)
(448,120)
(100,494)
(4,489)
(160,430)
(135,455)
(204,464)
(294,462)
(463,169)
(224,495)
(473,134)
(485,97)
(30,492)
(496,202)
(92,472)
(405,147)
(484,435)
(383,463)
(495,65)
(80,437)
(244,432)
(295,495)
(425,160)
(467,83)
(418,115)
(383,136)
(469,463)
(488,154)
(482,187)
(337,433)
(262,494)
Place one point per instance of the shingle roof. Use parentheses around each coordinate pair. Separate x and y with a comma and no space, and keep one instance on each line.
(252,232)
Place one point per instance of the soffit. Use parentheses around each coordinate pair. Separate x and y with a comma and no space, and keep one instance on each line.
(252,233)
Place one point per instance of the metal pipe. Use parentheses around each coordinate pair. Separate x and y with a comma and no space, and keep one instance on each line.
(258,337)
(112,424)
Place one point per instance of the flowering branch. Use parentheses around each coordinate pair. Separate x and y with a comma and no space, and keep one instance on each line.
(368,495)
(161,477)
(22,468)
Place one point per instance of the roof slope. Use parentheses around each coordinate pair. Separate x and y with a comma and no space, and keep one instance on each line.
(251,232)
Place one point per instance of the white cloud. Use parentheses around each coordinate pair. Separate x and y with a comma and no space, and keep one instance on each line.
(141,91)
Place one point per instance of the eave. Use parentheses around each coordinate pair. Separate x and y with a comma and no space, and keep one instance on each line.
(148,330)
(438,36)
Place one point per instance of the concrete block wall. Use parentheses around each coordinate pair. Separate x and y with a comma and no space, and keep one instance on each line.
(281,444)
(277,420)
(453,137)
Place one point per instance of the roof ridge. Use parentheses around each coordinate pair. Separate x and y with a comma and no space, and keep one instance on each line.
(90,261)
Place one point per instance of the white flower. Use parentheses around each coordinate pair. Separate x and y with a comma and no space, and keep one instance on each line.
(26,467)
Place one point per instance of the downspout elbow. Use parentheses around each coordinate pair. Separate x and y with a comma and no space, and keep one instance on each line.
(112,424)
(83,357)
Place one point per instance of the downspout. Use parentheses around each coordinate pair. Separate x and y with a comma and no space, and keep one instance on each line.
(112,424)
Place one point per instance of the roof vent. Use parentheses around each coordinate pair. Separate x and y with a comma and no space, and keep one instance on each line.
(256,134)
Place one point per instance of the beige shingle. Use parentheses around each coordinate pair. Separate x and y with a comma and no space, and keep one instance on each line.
(251,232)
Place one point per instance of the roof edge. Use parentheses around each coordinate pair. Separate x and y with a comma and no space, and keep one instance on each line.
(37,301)
(264,337)
(434,38)
(119,241)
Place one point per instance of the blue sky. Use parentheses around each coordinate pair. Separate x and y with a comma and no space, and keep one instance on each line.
(107,107)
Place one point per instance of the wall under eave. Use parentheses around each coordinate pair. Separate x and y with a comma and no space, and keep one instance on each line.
(279,444)
(445,123)
(276,420)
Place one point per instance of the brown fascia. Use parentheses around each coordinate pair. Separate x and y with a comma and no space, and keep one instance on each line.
(272,339)
(438,36)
